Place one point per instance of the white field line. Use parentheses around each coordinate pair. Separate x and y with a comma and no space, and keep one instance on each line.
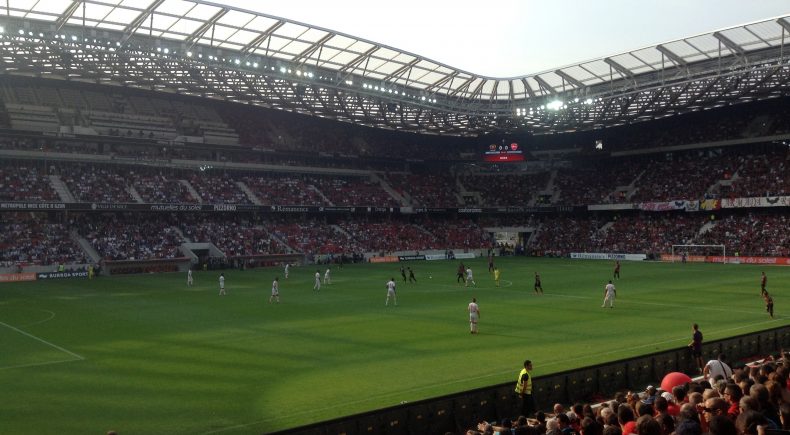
(51,316)
(40,364)
(41,340)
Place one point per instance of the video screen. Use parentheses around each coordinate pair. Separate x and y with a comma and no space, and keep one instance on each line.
(504,153)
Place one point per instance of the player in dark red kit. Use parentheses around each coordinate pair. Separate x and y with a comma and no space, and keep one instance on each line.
(763,283)
(537,284)
(460,278)
(769,303)
(491,262)
(617,269)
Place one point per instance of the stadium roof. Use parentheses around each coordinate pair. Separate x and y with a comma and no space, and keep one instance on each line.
(201,48)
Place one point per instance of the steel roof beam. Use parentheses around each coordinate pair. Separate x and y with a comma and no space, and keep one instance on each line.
(66,15)
(568,78)
(129,30)
(195,36)
(441,81)
(311,49)
(528,88)
(359,59)
(252,45)
(729,43)
(672,56)
(543,84)
(401,70)
(621,69)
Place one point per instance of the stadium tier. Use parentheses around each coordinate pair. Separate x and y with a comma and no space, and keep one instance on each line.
(346,187)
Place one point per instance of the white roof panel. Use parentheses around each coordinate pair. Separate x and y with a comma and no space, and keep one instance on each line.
(175,7)
(237,28)
(236,19)
(122,15)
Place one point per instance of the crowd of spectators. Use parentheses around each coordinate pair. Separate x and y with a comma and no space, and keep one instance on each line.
(32,241)
(505,189)
(353,191)
(89,183)
(598,182)
(743,399)
(217,188)
(457,233)
(314,237)
(426,190)
(649,233)
(389,236)
(688,176)
(283,189)
(752,234)
(158,188)
(560,236)
(25,182)
(766,174)
(234,236)
(130,236)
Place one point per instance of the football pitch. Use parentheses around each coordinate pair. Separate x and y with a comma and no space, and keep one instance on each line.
(148,355)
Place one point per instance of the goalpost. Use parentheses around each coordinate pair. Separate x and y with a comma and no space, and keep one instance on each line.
(679,250)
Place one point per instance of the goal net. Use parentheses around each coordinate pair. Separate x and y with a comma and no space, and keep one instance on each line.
(686,252)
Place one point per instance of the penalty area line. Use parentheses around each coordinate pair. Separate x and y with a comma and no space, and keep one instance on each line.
(41,340)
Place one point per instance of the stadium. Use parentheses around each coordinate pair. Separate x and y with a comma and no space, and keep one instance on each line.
(203,207)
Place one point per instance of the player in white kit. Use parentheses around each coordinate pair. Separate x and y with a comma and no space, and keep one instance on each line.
(391,292)
(327,277)
(221,284)
(469,278)
(189,278)
(474,316)
(317,285)
(609,295)
(287,266)
(275,290)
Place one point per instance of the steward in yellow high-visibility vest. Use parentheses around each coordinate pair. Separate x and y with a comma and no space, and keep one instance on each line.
(524,390)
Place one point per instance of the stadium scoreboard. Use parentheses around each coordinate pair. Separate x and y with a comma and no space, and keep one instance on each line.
(504,153)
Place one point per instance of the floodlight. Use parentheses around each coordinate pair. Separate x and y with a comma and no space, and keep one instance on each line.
(349,82)
(247,63)
(554,105)
(588,101)
(21,32)
(423,98)
(189,54)
(237,61)
(310,74)
(255,65)
(167,50)
(73,37)
(2,30)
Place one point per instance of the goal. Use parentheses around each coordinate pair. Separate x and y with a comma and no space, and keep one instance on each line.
(698,250)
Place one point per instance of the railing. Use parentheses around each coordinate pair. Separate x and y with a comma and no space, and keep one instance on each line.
(459,412)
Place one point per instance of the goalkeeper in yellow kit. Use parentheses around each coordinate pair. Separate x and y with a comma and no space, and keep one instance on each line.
(496,276)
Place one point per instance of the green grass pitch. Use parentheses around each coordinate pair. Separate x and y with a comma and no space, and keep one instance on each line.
(148,355)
